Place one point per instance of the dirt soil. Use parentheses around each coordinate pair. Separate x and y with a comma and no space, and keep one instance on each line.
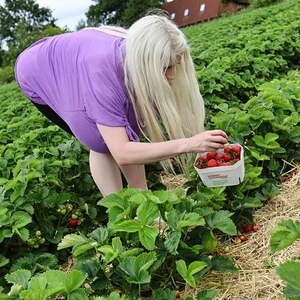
(256,279)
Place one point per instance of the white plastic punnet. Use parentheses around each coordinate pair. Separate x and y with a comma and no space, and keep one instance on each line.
(222,175)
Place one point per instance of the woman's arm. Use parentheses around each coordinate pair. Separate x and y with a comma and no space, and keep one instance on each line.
(126,152)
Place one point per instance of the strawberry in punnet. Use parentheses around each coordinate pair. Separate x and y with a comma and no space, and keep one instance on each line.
(201,162)
(236,149)
(212,163)
(227,149)
(226,157)
(210,155)
(219,157)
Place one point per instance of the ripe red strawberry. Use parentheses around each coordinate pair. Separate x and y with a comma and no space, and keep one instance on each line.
(227,149)
(236,149)
(210,155)
(219,157)
(200,162)
(224,163)
(73,222)
(255,227)
(226,157)
(248,228)
(212,163)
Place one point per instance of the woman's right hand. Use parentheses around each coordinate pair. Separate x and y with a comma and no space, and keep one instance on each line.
(210,140)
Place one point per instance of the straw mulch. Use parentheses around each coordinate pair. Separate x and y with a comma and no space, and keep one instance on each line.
(256,279)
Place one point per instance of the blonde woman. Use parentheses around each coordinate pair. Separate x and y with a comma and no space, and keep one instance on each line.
(108,86)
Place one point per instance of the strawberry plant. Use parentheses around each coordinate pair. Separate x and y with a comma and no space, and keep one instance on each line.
(134,255)
(250,84)
(283,235)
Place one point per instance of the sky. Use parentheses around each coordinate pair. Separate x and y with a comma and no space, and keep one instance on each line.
(67,12)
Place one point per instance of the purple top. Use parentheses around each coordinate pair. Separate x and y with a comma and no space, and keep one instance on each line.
(80,76)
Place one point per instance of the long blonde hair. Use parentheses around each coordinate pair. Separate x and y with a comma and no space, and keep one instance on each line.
(152,43)
(164,109)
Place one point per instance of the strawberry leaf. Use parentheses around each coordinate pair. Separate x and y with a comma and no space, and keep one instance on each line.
(289,272)
(284,235)
(147,212)
(221,220)
(20,277)
(147,237)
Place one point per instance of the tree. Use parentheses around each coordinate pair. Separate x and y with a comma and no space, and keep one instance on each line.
(22,40)
(105,12)
(136,9)
(119,12)
(34,16)
(81,24)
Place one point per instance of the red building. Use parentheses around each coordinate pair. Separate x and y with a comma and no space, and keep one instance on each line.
(188,12)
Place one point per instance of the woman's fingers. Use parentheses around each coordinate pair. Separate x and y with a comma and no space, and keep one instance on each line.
(211,140)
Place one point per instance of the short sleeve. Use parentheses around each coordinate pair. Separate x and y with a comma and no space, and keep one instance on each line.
(105,99)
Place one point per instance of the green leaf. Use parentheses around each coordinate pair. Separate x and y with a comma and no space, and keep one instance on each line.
(46,260)
(258,155)
(5,233)
(166,294)
(79,294)
(75,280)
(79,249)
(56,279)
(181,268)
(20,219)
(20,277)
(289,272)
(38,283)
(172,197)
(173,217)
(209,241)
(267,142)
(131,252)
(148,236)
(71,240)
(136,269)
(145,260)
(284,235)
(147,212)
(223,263)
(128,226)
(291,293)
(221,220)
(113,200)
(3,181)
(117,244)
(100,235)
(172,241)
(249,202)
(116,214)
(3,261)
(187,273)
(112,252)
(196,266)
(207,295)
(23,233)
(191,219)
